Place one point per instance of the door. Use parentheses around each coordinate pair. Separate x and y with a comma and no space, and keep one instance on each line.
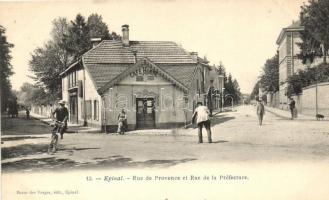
(145,113)
(73,109)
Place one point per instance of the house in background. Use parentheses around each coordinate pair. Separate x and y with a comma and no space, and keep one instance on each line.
(158,83)
(290,64)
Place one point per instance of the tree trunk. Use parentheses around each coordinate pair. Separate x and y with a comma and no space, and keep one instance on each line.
(325,56)
(324,53)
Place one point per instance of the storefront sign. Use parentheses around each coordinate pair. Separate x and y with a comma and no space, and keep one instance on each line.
(144,71)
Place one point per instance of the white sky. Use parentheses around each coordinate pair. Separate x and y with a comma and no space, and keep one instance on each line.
(240,33)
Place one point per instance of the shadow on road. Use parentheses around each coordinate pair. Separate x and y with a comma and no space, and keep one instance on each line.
(52,163)
(220,119)
(23,150)
(219,141)
(20,138)
(78,149)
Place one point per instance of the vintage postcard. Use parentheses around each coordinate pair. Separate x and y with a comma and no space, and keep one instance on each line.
(164,99)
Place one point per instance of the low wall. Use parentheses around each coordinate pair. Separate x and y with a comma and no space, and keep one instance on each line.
(307,101)
(42,110)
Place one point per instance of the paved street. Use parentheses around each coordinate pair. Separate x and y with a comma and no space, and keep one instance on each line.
(237,138)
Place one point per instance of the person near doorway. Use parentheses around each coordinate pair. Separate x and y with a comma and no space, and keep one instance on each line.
(122,122)
(201,116)
(260,111)
(292,107)
(62,115)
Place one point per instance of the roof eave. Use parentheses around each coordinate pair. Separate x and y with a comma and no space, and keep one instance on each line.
(111,83)
(70,67)
(284,30)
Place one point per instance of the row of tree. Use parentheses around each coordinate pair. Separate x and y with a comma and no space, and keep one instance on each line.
(69,40)
(315,43)
(5,70)
(231,85)
(269,78)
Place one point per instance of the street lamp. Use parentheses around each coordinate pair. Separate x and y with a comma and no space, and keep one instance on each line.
(221,87)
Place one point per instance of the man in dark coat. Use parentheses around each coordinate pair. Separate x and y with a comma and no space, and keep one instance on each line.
(260,111)
(62,115)
(292,106)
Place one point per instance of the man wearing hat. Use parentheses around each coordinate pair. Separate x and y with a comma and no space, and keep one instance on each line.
(260,111)
(62,115)
(201,114)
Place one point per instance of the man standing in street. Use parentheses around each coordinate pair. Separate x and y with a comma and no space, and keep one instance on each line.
(292,106)
(201,114)
(260,111)
(210,94)
(62,115)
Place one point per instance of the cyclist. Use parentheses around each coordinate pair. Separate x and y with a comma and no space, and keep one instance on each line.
(60,125)
(62,115)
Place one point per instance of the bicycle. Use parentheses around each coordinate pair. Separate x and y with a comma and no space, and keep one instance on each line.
(56,132)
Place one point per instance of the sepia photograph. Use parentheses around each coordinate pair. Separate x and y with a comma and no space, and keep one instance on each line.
(164,99)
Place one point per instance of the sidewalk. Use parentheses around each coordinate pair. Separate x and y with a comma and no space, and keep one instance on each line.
(286,114)
(72,128)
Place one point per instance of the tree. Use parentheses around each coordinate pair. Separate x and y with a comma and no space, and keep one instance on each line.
(314,17)
(232,88)
(68,42)
(97,28)
(47,63)
(255,92)
(78,40)
(30,94)
(307,77)
(5,69)
(270,75)
(81,32)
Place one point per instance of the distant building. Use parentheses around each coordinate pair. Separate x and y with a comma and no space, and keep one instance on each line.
(158,83)
(290,64)
(288,61)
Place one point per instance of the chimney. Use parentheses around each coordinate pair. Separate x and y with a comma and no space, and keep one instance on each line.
(194,56)
(95,41)
(125,35)
(205,60)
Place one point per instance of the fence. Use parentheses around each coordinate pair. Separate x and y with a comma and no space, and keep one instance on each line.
(312,96)
(43,110)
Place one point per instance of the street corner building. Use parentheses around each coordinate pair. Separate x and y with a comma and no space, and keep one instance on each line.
(157,83)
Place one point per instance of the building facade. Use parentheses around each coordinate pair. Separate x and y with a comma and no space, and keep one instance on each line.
(289,63)
(157,83)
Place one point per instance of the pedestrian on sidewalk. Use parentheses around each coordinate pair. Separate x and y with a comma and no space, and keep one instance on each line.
(260,111)
(122,122)
(27,111)
(201,116)
(62,115)
(292,107)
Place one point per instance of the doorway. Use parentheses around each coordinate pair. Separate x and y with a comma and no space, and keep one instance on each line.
(145,113)
(73,109)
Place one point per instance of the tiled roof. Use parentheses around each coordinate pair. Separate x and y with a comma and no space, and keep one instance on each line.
(109,59)
(109,51)
(179,78)
(103,73)
(182,72)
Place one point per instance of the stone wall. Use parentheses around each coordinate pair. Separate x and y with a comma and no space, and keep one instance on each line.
(307,104)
